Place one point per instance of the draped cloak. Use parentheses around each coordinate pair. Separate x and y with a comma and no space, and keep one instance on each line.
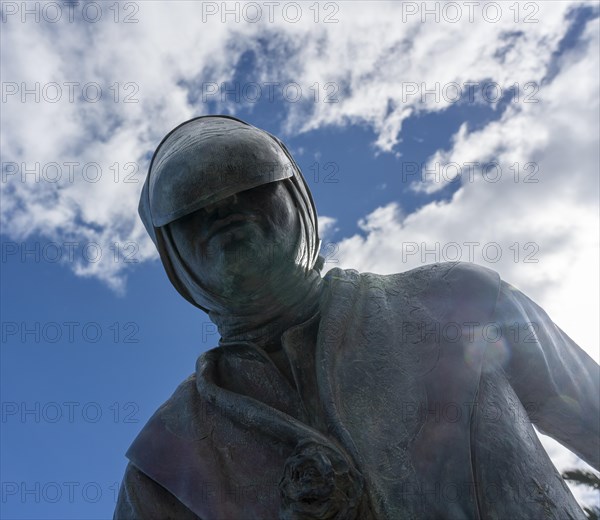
(428,382)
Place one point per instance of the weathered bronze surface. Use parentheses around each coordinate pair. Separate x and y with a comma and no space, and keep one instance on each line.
(348,396)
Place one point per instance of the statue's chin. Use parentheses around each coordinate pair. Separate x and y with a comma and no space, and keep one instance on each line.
(244,265)
(251,280)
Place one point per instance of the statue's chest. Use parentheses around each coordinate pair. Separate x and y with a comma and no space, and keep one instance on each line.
(399,395)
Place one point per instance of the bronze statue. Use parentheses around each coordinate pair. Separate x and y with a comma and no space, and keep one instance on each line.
(348,396)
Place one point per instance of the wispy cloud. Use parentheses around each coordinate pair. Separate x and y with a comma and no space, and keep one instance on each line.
(131,83)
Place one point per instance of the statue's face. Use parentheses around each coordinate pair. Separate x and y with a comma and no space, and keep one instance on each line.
(234,245)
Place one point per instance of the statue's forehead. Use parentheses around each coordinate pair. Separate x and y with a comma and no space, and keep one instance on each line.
(204,163)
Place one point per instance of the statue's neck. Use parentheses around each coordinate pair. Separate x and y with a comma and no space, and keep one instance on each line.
(294,301)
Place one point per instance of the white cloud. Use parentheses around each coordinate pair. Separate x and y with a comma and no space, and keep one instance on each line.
(326,227)
(557,214)
(143,62)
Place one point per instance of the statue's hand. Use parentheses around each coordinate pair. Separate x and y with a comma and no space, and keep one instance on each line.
(319,483)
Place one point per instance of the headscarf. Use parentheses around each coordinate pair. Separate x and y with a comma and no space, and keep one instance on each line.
(207,159)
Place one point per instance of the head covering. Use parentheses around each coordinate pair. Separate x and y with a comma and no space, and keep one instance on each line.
(207,159)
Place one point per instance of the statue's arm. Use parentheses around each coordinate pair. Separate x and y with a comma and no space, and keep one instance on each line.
(140,497)
(557,382)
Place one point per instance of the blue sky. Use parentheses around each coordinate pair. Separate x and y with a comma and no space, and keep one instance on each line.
(90,349)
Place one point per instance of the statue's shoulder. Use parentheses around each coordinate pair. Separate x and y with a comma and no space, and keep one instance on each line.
(446,290)
(452,290)
(184,413)
(464,277)
(181,419)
